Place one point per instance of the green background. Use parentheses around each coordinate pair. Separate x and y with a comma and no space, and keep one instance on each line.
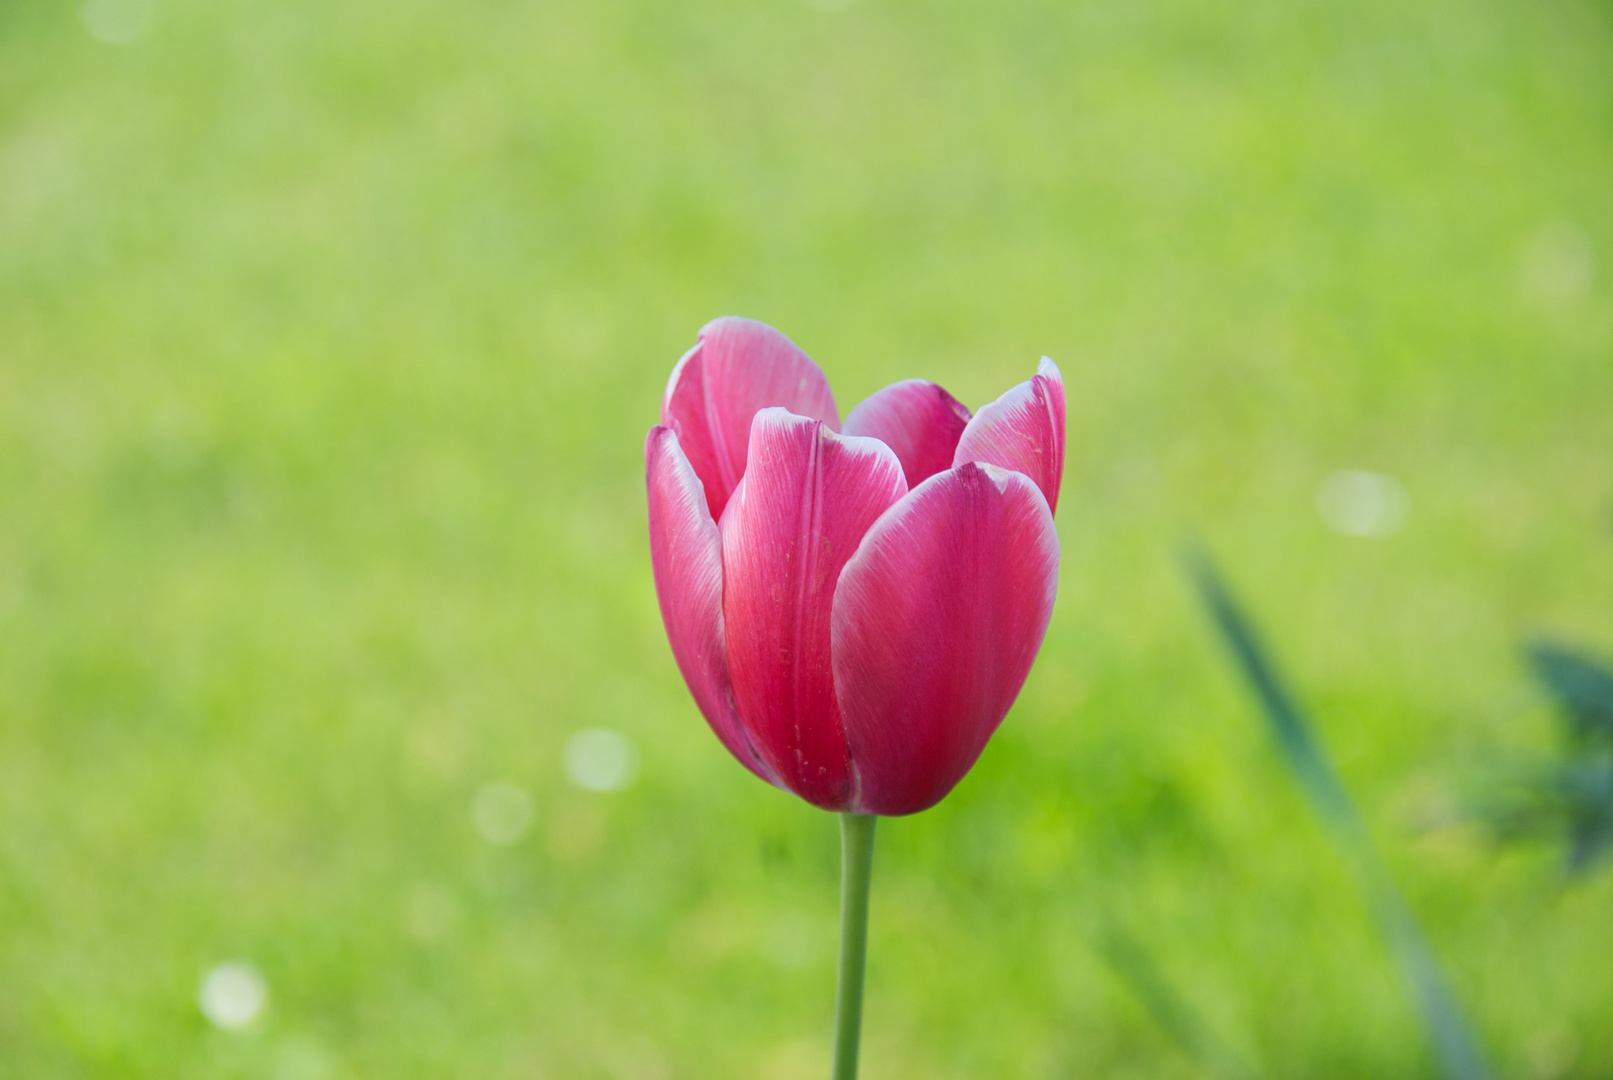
(329,336)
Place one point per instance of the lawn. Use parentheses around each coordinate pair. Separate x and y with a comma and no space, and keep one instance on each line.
(329,337)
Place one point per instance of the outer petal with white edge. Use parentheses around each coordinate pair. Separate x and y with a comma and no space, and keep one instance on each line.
(807,499)
(739,367)
(918,420)
(937,619)
(1023,430)
(687,555)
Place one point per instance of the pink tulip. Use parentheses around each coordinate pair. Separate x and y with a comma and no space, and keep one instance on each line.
(854,610)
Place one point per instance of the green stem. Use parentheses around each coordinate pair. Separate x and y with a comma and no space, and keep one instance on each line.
(856,869)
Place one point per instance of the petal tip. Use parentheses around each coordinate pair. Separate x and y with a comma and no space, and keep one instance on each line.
(723,322)
(1023,430)
(675,379)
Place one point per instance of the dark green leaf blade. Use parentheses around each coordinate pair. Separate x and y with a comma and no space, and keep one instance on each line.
(1582,687)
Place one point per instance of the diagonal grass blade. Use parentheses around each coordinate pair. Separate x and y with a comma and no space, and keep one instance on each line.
(1443,1023)
(1133,964)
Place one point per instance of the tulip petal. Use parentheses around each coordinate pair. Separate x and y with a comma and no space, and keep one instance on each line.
(686,552)
(1023,430)
(937,619)
(807,498)
(738,367)
(918,420)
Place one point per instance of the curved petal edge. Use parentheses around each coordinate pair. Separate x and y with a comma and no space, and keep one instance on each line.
(737,368)
(1024,431)
(686,552)
(937,619)
(917,419)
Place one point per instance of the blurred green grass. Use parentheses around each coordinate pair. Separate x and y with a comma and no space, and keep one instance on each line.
(329,335)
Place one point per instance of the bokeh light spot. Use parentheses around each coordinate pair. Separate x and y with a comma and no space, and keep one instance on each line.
(116,22)
(501,812)
(1356,502)
(598,759)
(233,996)
(1559,263)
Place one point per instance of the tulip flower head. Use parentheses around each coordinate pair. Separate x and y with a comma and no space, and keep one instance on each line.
(854,607)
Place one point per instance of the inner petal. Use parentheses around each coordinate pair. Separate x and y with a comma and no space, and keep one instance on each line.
(917,419)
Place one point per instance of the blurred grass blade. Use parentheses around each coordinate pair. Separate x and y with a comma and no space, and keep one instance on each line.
(1128,959)
(1288,725)
(1443,1023)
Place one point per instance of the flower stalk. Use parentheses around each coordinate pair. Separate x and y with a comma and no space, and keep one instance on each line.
(856,871)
